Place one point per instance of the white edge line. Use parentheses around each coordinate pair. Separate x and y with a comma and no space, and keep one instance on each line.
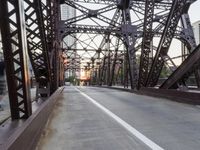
(127,126)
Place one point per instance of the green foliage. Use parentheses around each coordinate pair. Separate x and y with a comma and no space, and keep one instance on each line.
(165,72)
(72,80)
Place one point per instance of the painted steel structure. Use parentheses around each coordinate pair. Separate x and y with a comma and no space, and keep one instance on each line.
(114,41)
(29,28)
(134,24)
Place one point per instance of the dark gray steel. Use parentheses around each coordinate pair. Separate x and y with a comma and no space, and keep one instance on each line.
(165,41)
(146,43)
(36,21)
(15,55)
(114,64)
(184,70)
(129,33)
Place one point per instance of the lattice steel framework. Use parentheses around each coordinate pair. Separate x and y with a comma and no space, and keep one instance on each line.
(146,43)
(146,28)
(28,28)
(15,53)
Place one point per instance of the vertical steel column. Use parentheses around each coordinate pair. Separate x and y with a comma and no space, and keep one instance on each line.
(99,76)
(103,42)
(118,77)
(95,76)
(102,70)
(61,68)
(184,51)
(114,63)
(12,23)
(146,43)
(129,40)
(108,60)
(55,53)
(121,74)
(125,70)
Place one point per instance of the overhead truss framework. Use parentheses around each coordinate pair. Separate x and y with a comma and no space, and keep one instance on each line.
(135,36)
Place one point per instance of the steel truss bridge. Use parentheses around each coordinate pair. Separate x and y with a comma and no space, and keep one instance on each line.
(121,42)
(129,52)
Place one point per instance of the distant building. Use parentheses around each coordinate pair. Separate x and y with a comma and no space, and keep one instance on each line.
(196,29)
(69,42)
(68,12)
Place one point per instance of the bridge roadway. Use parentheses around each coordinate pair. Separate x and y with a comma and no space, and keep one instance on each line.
(91,118)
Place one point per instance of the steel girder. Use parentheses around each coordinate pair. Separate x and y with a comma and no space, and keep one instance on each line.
(70,27)
(114,64)
(90,13)
(170,27)
(97,1)
(185,20)
(182,73)
(15,55)
(91,29)
(146,43)
(190,64)
(37,21)
(29,27)
(153,19)
(106,40)
(56,53)
(129,34)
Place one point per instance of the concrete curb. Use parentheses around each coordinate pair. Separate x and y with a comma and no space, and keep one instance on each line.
(27,135)
(172,95)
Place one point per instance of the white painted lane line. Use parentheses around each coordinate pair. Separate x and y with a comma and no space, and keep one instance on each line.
(152,145)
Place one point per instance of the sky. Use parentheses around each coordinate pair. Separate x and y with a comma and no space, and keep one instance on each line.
(194,11)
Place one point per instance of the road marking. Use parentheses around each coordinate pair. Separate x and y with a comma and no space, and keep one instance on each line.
(152,145)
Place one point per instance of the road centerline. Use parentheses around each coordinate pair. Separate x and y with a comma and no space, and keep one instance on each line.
(152,145)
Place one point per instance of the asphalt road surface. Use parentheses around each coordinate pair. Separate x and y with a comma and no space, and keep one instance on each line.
(91,118)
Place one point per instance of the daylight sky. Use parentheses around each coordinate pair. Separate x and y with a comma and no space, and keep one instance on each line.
(194,11)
